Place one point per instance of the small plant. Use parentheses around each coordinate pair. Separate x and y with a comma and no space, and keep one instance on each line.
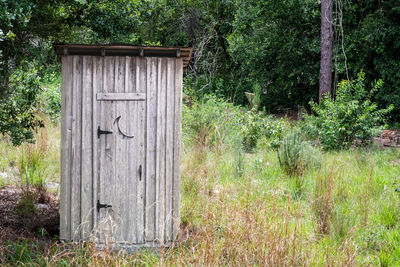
(26,204)
(295,154)
(349,119)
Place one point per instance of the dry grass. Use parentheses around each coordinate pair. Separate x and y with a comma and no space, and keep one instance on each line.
(347,216)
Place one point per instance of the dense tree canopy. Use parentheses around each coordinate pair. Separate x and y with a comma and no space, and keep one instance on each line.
(269,47)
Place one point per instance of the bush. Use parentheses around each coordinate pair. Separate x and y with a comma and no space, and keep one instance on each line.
(350,119)
(19,108)
(260,128)
(213,121)
(295,154)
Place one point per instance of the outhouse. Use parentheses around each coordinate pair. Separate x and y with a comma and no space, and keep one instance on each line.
(121,143)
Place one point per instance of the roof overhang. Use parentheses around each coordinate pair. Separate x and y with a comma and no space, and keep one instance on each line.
(124,50)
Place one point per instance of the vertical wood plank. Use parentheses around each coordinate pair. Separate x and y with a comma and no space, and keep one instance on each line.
(97,87)
(120,164)
(76,150)
(133,117)
(169,145)
(65,196)
(141,82)
(107,186)
(160,154)
(86,143)
(129,169)
(151,129)
(177,147)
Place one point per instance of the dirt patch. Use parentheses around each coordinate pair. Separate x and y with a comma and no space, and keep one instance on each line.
(19,219)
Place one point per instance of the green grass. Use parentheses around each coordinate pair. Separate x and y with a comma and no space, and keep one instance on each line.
(242,209)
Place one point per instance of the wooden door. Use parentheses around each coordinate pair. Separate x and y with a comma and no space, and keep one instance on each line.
(120,138)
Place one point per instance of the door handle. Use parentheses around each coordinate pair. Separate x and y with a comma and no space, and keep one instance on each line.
(100,132)
(140,172)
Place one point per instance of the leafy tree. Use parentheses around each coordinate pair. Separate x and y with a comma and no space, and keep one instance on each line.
(26,31)
(276,45)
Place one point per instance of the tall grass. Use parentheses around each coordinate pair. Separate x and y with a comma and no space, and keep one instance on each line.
(238,209)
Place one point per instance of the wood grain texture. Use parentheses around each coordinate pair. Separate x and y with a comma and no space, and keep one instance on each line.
(141,83)
(160,152)
(176,199)
(86,153)
(76,148)
(119,200)
(121,96)
(139,100)
(97,87)
(65,181)
(169,145)
(151,130)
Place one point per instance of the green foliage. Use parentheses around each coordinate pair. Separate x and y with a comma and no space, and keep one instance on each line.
(260,129)
(52,97)
(19,252)
(211,121)
(296,155)
(18,114)
(277,50)
(350,119)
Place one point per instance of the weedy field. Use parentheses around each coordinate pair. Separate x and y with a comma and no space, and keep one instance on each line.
(248,199)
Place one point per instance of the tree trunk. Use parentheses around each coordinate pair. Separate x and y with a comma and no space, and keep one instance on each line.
(325,72)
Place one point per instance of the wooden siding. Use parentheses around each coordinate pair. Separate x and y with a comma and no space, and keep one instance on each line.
(139,100)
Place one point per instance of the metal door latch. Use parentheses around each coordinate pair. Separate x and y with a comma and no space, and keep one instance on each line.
(99,206)
(100,132)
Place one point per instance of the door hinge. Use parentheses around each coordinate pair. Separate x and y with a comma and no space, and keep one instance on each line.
(99,206)
(100,132)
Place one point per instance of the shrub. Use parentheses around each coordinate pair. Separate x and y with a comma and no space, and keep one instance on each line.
(213,121)
(295,154)
(19,108)
(349,119)
(257,128)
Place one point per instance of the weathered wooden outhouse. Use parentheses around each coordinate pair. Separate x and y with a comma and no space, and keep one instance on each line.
(120,143)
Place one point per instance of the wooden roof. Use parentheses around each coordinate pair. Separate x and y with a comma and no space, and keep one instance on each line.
(124,50)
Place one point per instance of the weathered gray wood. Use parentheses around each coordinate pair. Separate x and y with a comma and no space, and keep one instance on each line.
(130,193)
(169,146)
(97,87)
(76,150)
(146,132)
(160,153)
(86,144)
(65,196)
(119,196)
(121,96)
(107,175)
(151,130)
(141,83)
(177,147)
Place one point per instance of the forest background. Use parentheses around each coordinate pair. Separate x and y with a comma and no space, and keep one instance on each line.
(270,48)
